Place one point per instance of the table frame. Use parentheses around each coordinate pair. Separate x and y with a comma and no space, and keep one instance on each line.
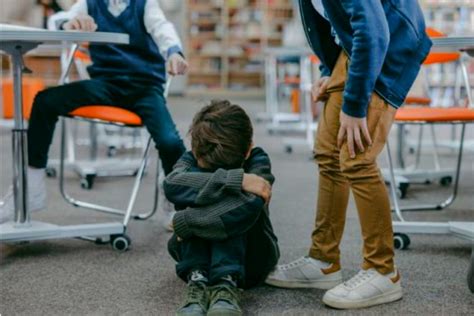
(17,43)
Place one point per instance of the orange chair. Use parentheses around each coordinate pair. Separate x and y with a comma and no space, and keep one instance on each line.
(407,176)
(31,86)
(430,116)
(113,116)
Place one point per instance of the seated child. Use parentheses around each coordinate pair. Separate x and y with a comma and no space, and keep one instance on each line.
(129,76)
(223,239)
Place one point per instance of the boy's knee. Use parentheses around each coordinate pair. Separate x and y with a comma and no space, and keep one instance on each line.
(170,143)
(43,100)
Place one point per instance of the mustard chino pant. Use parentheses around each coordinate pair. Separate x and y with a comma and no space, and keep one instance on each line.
(338,173)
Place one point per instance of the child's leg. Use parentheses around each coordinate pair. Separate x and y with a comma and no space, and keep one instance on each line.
(191,254)
(228,259)
(338,171)
(227,273)
(333,194)
(369,190)
(54,102)
(151,107)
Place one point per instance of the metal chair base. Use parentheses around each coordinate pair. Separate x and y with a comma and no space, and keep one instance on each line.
(127,213)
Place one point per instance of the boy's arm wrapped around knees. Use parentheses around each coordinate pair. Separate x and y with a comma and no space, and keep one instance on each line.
(187,186)
(259,164)
(232,216)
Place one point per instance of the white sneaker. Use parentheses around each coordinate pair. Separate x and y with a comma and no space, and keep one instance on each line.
(166,207)
(366,288)
(306,272)
(36,196)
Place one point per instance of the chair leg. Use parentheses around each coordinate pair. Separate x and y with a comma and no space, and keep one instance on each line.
(393,184)
(95,207)
(156,197)
(453,195)
(136,186)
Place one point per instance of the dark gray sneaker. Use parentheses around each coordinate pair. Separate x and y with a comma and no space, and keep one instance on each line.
(225,300)
(196,302)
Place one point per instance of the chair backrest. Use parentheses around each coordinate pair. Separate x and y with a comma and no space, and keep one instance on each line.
(437,57)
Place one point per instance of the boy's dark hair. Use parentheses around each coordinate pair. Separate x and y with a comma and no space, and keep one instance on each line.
(221,135)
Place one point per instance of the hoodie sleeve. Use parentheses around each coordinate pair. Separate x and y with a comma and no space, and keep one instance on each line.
(369,47)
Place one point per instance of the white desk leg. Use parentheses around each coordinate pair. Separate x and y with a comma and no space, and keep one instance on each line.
(19,136)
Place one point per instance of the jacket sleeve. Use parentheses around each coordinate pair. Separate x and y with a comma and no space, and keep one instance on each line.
(325,72)
(370,44)
(231,216)
(259,164)
(161,30)
(188,186)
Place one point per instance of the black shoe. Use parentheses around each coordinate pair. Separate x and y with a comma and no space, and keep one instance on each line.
(225,300)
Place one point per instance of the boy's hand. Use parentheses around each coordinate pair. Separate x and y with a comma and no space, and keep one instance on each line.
(177,65)
(81,23)
(352,128)
(254,184)
(318,90)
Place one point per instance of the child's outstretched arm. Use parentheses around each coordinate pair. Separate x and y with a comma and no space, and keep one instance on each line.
(188,186)
(165,36)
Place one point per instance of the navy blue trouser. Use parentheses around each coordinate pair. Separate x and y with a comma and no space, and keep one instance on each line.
(139,96)
(217,258)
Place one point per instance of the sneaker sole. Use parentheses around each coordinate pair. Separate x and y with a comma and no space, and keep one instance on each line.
(381,299)
(322,285)
(220,312)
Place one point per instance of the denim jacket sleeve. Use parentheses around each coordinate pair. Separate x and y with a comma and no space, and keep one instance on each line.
(369,48)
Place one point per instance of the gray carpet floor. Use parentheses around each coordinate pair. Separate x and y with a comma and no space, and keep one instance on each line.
(74,277)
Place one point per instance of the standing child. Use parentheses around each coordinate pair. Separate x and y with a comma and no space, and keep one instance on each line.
(223,238)
(371,52)
(129,76)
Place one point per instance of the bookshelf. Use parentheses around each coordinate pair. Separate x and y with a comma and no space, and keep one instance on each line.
(453,17)
(226,40)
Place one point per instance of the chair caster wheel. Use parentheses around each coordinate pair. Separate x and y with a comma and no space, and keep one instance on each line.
(446,181)
(288,149)
(51,172)
(120,242)
(402,190)
(112,151)
(401,241)
(88,182)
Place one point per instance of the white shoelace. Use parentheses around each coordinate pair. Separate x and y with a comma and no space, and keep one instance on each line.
(361,277)
(297,263)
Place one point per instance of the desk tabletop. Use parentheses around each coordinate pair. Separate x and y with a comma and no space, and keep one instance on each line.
(14,33)
(288,51)
(450,44)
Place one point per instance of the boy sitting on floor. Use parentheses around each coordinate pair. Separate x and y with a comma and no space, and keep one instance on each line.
(223,237)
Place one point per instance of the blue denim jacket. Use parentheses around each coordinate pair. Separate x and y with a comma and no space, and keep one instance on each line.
(384,39)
